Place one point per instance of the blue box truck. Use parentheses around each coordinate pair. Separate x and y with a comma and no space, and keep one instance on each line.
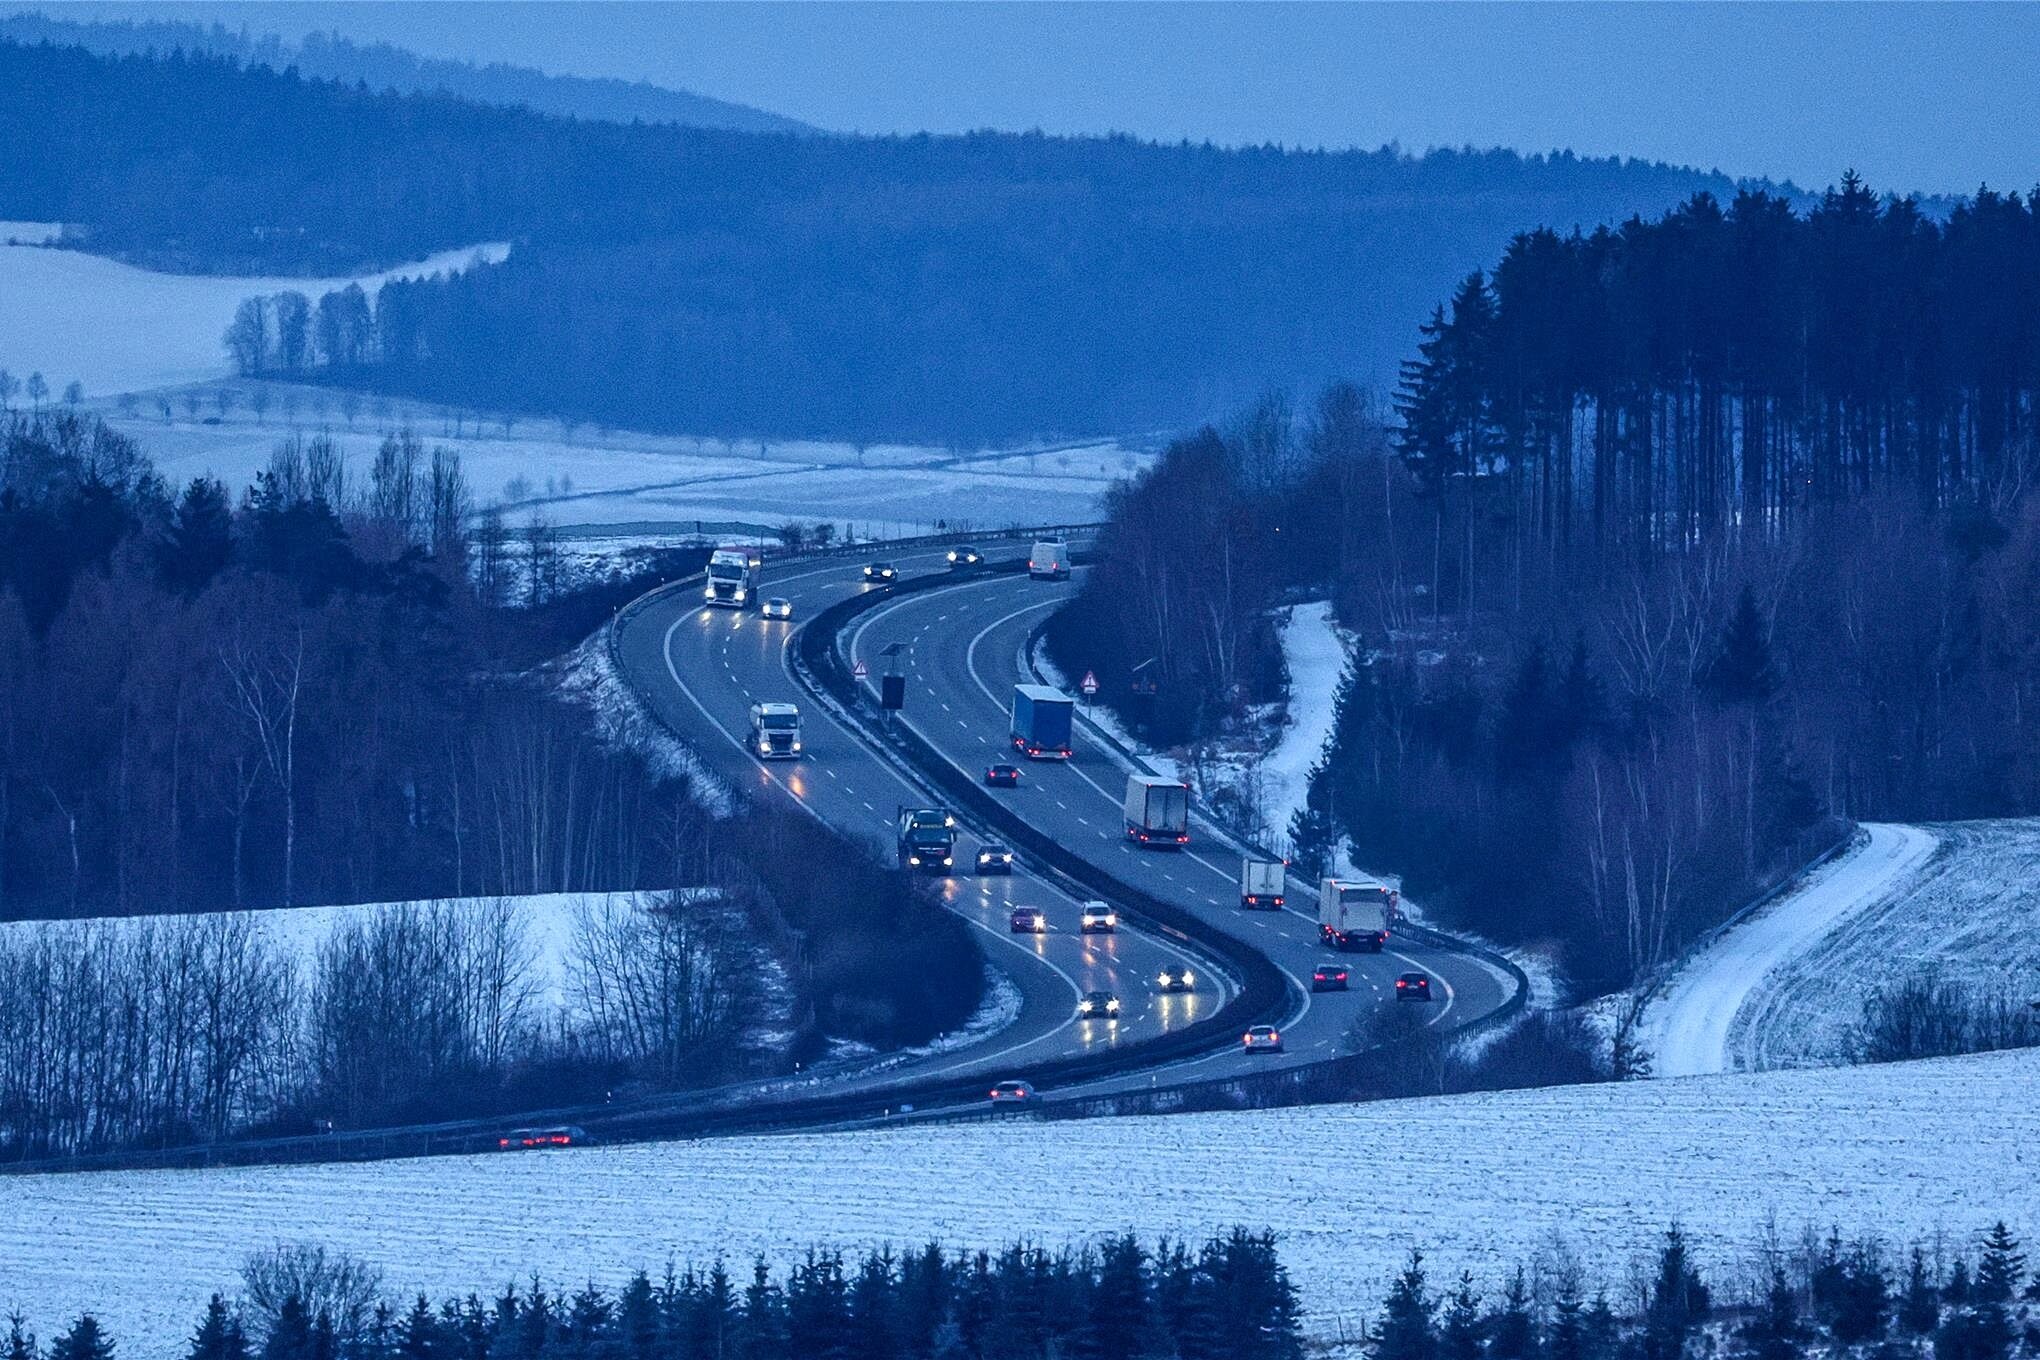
(1041,722)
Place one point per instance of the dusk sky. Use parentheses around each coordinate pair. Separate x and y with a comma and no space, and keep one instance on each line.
(1932,97)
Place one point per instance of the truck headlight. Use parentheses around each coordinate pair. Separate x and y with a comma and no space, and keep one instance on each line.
(796,743)
(740,592)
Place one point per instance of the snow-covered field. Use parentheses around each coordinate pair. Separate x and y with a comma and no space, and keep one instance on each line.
(115,328)
(546,921)
(588,479)
(1478,1181)
(1802,964)
(1968,913)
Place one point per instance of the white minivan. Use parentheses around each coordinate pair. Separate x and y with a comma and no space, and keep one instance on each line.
(1050,560)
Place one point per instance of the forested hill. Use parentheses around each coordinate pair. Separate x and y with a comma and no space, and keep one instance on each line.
(690,278)
(329,56)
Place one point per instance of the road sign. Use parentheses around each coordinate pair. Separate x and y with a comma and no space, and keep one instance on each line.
(892,691)
(1090,685)
(859,671)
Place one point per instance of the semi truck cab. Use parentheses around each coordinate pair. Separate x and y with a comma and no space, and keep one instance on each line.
(927,840)
(732,578)
(775,731)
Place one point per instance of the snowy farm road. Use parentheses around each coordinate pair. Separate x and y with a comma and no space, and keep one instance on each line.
(1706,1006)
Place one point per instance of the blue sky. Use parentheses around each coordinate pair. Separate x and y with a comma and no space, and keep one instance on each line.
(1937,97)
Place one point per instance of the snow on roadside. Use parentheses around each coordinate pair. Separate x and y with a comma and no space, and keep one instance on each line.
(588,676)
(1687,1025)
(1478,1181)
(1316,652)
(30,233)
(116,328)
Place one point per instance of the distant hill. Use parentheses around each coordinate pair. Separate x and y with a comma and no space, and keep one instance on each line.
(329,56)
(707,280)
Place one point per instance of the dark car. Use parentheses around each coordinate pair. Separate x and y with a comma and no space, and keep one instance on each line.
(883,572)
(993,858)
(1330,978)
(1002,776)
(1098,1006)
(1413,987)
(1176,977)
(1030,921)
(963,556)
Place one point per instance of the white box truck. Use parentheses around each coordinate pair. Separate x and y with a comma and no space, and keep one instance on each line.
(1261,883)
(1157,810)
(1355,913)
(775,731)
(1050,560)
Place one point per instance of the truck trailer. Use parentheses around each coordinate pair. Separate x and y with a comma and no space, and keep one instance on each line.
(1261,883)
(1042,719)
(732,578)
(1157,811)
(775,731)
(1355,913)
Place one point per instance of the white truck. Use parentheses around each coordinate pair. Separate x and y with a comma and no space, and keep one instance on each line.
(1355,913)
(775,731)
(1157,811)
(732,578)
(1050,560)
(1261,883)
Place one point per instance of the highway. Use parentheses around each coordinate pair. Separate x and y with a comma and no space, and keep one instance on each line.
(701,668)
(962,651)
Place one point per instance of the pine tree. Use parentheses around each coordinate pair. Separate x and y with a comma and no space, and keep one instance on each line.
(219,1335)
(85,1341)
(761,1330)
(1863,1310)
(1567,1337)
(1511,1330)
(1405,1331)
(1741,671)
(20,1340)
(1678,1300)
(1119,1319)
(1459,1331)
(2001,1268)
(1776,1333)
(1920,1310)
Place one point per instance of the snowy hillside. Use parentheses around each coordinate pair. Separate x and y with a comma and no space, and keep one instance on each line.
(1958,902)
(116,328)
(1967,913)
(1477,1180)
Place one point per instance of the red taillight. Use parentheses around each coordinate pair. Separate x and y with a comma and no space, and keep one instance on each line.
(1278,901)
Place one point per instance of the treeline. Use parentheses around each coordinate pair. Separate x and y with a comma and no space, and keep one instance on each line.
(322,692)
(722,282)
(1647,386)
(1228,1299)
(332,56)
(163,1031)
(1816,1297)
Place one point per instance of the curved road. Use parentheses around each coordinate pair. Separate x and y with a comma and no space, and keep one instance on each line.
(701,669)
(964,650)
